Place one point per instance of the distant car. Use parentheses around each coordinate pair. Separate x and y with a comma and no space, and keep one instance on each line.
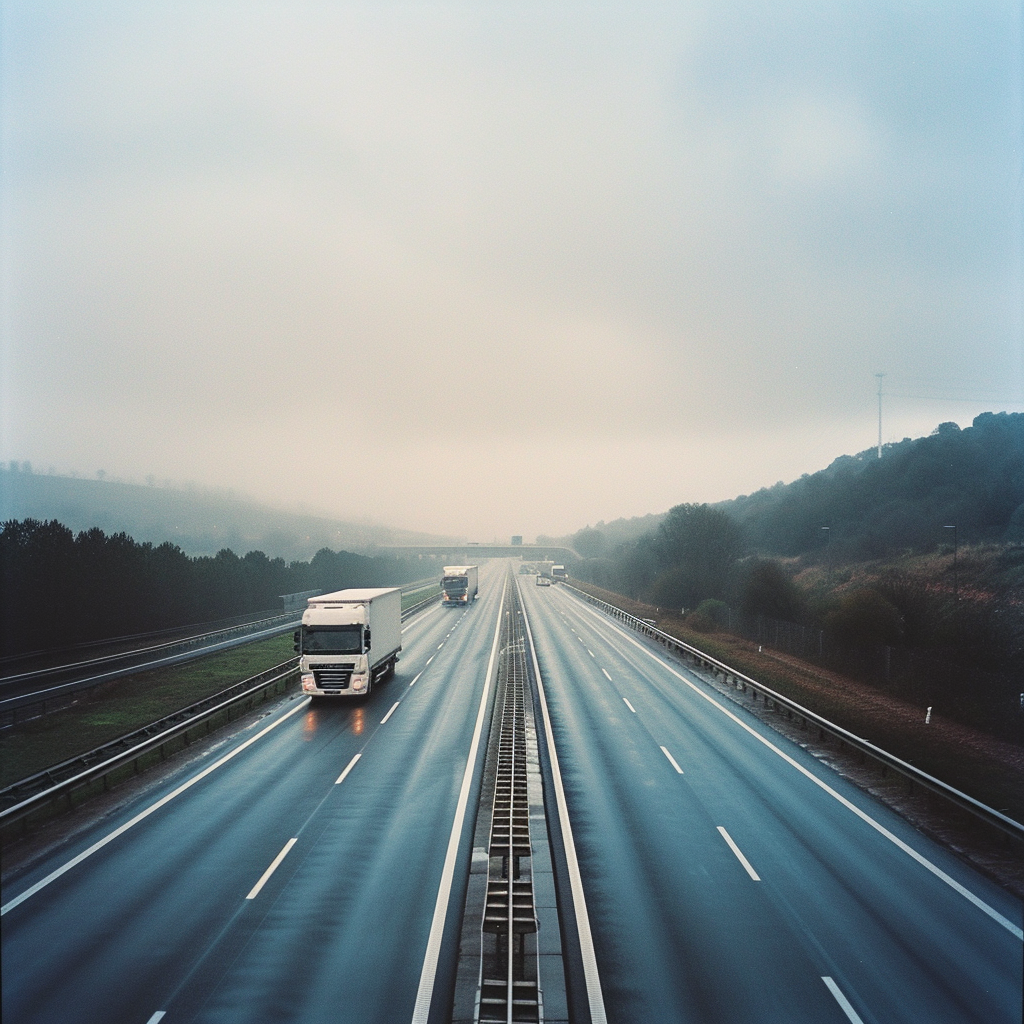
(543,581)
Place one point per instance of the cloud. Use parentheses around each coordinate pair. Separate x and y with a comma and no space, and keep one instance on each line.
(548,230)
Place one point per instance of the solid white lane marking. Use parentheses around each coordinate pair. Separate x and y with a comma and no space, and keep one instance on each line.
(825,787)
(425,992)
(157,1017)
(608,677)
(255,891)
(418,674)
(590,973)
(671,759)
(739,854)
(142,815)
(842,1001)
(341,778)
(390,713)
(633,709)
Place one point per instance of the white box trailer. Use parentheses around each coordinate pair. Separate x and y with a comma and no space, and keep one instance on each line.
(459,585)
(349,640)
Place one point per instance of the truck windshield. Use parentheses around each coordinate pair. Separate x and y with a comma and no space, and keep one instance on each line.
(332,639)
(455,584)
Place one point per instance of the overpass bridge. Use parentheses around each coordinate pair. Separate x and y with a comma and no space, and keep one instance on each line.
(459,554)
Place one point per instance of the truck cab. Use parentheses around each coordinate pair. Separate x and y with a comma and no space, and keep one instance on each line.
(348,641)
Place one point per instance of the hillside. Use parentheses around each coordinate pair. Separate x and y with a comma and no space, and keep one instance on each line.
(972,479)
(199,522)
(905,571)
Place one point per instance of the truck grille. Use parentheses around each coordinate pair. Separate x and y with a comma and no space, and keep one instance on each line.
(332,677)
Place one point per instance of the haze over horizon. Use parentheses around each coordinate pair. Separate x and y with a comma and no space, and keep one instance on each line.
(475,271)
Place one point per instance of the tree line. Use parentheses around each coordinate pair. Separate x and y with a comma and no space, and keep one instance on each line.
(876,507)
(58,588)
(736,564)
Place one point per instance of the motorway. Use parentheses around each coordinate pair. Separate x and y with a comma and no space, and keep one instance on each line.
(311,868)
(168,919)
(731,877)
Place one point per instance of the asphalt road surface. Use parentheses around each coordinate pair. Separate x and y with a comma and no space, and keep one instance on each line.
(307,870)
(731,877)
(352,804)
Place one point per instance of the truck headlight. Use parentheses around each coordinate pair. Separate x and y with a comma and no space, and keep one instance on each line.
(308,681)
(359,683)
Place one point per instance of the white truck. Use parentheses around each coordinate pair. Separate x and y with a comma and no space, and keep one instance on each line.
(348,641)
(459,585)
(558,573)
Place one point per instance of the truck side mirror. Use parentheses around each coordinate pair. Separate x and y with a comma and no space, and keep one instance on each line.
(366,639)
(296,641)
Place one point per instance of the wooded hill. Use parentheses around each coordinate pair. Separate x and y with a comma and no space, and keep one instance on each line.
(199,521)
(863,595)
(875,507)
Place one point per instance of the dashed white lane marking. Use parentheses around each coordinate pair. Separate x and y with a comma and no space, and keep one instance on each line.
(390,713)
(430,659)
(157,1017)
(739,855)
(273,867)
(441,644)
(842,1001)
(633,709)
(608,677)
(110,837)
(671,759)
(590,652)
(418,674)
(341,778)
(825,787)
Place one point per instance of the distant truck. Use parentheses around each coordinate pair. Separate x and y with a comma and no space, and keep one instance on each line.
(459,585)
(348,641)
(558,573)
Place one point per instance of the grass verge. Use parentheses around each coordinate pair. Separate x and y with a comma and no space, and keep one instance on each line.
(415,596)
(122,705)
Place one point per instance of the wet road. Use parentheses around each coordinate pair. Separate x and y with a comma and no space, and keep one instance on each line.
(296,872)
(179,917)
(725,884)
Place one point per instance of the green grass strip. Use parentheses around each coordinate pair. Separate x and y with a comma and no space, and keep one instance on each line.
(415,596)
(123,705)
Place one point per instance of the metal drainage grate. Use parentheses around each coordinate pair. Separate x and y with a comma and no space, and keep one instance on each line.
(509,989)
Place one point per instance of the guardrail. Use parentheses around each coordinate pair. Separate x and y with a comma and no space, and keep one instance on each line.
(61,781)
(732,677)
(433,599)
(128,751)
(61,691)
(138,652)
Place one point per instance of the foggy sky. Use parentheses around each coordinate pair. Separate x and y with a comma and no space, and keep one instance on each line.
(480,270)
